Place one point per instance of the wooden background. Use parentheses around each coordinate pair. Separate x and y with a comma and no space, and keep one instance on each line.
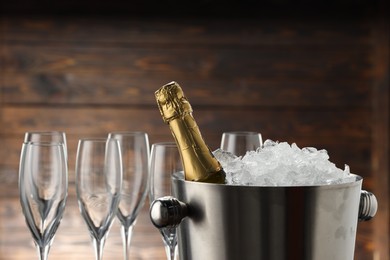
(315,76)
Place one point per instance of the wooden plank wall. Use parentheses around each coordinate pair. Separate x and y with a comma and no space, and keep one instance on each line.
(313,83)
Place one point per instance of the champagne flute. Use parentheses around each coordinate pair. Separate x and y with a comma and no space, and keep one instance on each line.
(43,185)
(135,166)
(165,160)
(98,186)
(239,142)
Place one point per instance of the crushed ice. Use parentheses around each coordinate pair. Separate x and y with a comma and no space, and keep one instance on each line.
(282,164)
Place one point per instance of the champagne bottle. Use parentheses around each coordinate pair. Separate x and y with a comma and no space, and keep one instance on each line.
(198,161)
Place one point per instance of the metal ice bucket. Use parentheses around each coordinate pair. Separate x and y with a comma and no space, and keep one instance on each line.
(222,222)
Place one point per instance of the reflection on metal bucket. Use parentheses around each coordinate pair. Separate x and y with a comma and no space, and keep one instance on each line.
(268,223)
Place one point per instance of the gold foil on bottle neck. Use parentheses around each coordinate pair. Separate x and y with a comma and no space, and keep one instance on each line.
(171,102)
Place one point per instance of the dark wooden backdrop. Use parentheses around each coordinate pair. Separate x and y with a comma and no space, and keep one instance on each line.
(316,76)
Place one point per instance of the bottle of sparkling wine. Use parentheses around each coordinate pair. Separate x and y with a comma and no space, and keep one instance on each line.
(198,162)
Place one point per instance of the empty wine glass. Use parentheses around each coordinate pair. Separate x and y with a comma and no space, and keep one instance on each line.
(43,185)
(47,137)
(135,165)
(238,143)
(98,186)
(165,160)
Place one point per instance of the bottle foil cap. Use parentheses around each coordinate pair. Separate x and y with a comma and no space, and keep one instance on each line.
(172,102)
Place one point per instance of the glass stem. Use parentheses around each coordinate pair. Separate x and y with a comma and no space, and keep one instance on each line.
(170,251)
(126,238)
(170,241)
(98,246)
(43,252)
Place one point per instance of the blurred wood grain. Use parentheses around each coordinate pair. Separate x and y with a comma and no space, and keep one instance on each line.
(315,83)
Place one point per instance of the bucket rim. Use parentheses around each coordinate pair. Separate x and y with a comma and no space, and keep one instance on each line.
(179,176)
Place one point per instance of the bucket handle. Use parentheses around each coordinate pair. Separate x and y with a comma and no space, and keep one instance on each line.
(368,206)
(169,212)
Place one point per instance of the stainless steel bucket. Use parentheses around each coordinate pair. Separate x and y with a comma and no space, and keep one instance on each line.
(222,222)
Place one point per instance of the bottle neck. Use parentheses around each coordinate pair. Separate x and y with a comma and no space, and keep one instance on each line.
(198,162)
